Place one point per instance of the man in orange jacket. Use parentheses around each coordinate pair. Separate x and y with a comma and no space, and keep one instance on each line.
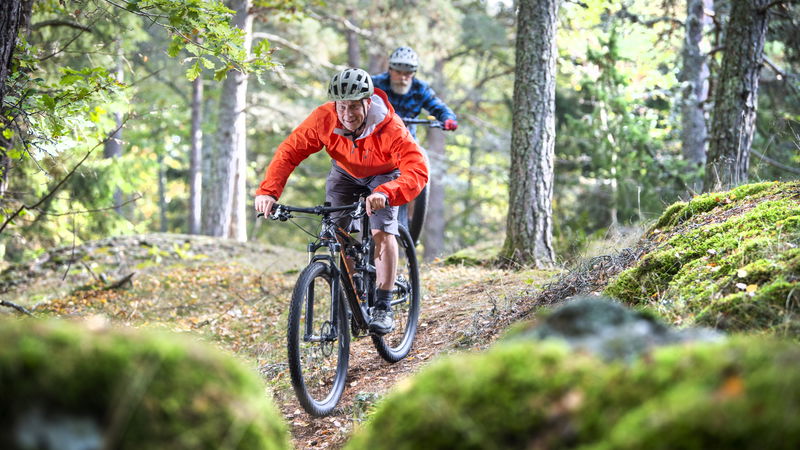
(373,153)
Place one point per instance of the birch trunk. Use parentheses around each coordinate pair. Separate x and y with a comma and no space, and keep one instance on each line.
(228,196)
(196,158)
(694,132)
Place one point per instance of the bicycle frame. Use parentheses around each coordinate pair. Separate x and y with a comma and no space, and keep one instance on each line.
(341,246)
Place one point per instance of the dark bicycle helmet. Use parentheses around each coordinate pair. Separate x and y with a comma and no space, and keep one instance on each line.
(405,59)
(350,84)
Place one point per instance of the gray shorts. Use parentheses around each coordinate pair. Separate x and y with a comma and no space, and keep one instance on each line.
(344,189)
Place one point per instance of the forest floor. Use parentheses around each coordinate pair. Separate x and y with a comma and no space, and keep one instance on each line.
(236,296)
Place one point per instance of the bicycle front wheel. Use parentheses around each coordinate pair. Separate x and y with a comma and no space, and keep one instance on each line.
(406,295)
(318,341)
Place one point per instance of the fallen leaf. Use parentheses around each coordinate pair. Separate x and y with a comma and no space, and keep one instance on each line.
(741,273)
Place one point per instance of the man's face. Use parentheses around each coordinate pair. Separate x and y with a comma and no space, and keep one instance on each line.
(352,113)
(400,81)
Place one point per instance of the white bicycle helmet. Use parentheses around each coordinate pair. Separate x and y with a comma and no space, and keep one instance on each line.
(350,84)
(405,59)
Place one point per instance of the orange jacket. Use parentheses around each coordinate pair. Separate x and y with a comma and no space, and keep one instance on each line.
(384,146)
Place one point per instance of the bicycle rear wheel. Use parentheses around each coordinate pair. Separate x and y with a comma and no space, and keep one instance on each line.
(396,345)
(318,341)
(416,215)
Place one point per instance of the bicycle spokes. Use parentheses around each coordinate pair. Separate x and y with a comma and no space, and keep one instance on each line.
(318,346)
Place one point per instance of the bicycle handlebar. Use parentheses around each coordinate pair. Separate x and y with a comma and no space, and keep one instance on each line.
(283,212)
(429,122)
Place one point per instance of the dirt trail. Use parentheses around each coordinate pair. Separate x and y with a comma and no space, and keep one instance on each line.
(464,309)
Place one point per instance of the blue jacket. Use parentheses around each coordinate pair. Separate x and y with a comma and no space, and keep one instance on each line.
(418,97)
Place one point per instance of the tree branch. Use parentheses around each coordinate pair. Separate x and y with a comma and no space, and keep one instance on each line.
(90,211)
(277,39)
(19,308)
(774,163)
(769,5)
(119,283)
(775,67)
(344,22)
(60,23)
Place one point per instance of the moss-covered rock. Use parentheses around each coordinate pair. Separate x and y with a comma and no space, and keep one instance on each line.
(607,329)
(134,389)
(740,393)
(480,254)
(729,260)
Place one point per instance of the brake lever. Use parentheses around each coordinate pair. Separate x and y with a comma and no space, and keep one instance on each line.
(359,211)
(279,214)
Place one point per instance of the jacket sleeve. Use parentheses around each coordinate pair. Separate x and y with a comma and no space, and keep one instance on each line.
(408,157)
(435,106)
(301,143)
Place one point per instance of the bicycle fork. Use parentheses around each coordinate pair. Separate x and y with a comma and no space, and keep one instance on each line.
(328,331)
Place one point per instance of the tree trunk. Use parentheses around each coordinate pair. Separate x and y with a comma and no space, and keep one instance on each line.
(378,61)
(736,96)
(228,203)
(14,14)
(353,45)
(209,181)
(433,232)
(694,75)
(11,17)
(162,195)
(529,228)
(196,158)
(113,146)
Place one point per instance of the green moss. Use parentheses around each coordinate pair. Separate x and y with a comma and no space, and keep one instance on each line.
(744,393)
(691,275)
(668,218)
(155,390)
(477,255)
(681,212)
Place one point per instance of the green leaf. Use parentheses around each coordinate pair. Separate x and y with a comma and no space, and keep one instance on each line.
(175,46)
(220,74)
(14,153)
(8,133)
(70,79)
(194,71)
(49,102)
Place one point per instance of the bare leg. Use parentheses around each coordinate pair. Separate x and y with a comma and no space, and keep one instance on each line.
(385,259)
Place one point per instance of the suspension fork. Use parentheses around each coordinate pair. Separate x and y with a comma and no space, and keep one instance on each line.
(330,259)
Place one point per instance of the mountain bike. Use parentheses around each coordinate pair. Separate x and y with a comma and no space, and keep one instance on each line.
(418,207)
(333,298)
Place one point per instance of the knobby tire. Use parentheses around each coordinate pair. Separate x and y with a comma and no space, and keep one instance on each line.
(396,345)
(416,221)
(318,369)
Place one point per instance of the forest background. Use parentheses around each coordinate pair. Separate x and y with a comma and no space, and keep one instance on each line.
(107,101)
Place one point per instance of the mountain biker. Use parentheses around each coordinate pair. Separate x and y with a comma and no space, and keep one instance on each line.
(409,95)
(372,151)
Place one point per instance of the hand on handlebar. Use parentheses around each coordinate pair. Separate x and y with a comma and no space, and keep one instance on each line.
(376,201)
(450,124)
(264,203)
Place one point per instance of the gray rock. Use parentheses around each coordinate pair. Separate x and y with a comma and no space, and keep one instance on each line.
(610,330)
